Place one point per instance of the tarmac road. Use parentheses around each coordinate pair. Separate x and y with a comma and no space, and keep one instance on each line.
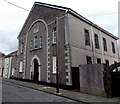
(16,93)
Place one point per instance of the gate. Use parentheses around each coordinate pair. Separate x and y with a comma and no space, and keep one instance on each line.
(75,78)
(115,76)
(112,80)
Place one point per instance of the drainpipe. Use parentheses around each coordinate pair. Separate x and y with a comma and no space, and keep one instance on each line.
(101,44)
(57,40)
(93,48)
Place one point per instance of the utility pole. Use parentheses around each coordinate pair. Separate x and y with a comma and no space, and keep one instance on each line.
(57,43)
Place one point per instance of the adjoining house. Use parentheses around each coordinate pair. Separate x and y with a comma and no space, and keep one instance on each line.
(10,65)
(79,42)
(2,57)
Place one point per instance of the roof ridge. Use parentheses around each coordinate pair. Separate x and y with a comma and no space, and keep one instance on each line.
(46,4)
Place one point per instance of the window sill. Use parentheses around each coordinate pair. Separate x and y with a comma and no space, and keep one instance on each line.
(35,49)
(53,44)
(54,73)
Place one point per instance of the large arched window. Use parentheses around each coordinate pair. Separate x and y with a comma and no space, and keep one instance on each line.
(96,41)
(104,44)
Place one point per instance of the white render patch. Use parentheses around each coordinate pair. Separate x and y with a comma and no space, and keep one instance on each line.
(36,30)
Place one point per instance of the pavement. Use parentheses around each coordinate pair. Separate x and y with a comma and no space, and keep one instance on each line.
(77,96)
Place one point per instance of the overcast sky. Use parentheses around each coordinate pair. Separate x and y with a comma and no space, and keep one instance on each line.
(102,12)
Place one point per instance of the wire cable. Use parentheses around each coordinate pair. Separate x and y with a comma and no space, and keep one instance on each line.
(16,5)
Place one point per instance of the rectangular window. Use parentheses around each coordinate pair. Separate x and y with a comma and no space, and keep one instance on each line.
(104,44)
(36,42)
(21,66)
(22,47)
(98,61)
(40,42)
(87,37)
(31,45)
(13,71)
(96,41)
(89,60)
(54,36)
(113,47)
(54,64)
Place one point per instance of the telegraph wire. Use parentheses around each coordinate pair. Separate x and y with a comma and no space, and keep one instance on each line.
(90,15)
(16,5)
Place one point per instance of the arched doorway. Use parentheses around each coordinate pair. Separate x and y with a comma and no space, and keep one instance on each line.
(35,69)
(36,72)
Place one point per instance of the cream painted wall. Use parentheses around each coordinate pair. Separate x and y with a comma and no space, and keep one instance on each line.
(79,50)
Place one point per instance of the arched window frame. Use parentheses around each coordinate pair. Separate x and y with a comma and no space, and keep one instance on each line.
(87,37)
(96,41)
(104,44)
(113,47)
(35,42)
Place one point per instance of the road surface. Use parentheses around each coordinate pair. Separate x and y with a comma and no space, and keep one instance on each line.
(16,93)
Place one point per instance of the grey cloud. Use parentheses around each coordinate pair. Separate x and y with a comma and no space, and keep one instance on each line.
(8,41)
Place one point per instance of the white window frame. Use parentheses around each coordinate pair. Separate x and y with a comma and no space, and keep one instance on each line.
(31,45)
(35,42)
(104,44)
(54,65)
(22,47)
(40,42)
(54,36)
(13,71)
(113,47)
(21,66)
(87,37)
(96,41)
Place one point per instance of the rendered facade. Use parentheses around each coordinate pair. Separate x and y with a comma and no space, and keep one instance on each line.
(10,65)
(79,42)
(2,57)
